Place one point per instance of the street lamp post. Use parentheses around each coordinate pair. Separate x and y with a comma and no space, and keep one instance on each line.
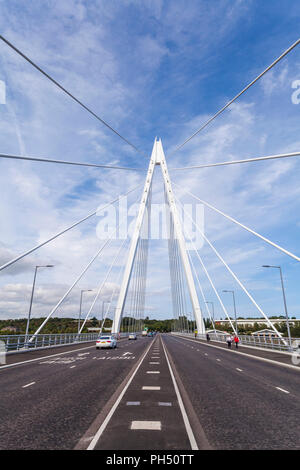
(234,307)
(31,298)
(102,314)
(213,314)
(103,303)
(284,301)
(79,318)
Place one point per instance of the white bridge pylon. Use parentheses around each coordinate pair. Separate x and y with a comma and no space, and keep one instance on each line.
(158,159)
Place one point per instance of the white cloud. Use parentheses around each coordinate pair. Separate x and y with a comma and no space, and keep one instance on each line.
(118,71)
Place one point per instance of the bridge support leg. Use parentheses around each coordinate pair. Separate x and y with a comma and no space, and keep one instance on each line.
(158,158)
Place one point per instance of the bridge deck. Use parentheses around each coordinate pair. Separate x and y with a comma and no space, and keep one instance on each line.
(231,401)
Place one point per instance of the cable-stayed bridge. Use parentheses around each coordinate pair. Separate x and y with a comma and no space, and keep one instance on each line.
(184,390)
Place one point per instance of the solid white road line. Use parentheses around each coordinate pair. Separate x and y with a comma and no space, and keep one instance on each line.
(282,390)
(188,428)
(28,385)
(114,407)
(146,425)
(146,387)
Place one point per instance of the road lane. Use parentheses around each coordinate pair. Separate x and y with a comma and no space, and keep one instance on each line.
(20,357)
(257,369)
(55,411)
(149,415)
(238,410)
(272,355)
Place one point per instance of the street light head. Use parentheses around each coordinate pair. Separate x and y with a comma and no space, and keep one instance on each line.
(50,266)
(270,266)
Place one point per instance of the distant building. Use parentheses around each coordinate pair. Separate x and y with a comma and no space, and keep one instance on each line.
(11,329)
(265,333)
(218,332)
(94,329)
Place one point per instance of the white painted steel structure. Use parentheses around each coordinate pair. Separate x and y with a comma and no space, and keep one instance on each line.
(158,159)
(136,264)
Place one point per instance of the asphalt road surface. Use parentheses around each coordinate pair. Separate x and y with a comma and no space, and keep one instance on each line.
(162,393)
(241,402)
(50,402)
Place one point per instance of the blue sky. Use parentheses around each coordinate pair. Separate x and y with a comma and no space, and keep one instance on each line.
(148,68)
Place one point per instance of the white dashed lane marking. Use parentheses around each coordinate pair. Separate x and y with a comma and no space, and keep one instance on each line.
(146,425)
(146,387)
(133,403)
(28,385)
(153,362)
(164,403)
(282,390)
(240,370)
(72,367)
(153,372)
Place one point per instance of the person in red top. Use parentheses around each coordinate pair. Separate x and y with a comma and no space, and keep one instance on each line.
(236,341)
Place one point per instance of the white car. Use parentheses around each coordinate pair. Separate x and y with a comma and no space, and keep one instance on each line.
(106,341)
(132,336)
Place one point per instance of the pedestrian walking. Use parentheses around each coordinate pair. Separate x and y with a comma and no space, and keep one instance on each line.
(207,337)
(229,341)
(236,341)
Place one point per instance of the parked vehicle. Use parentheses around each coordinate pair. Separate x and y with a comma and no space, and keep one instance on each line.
(106,341)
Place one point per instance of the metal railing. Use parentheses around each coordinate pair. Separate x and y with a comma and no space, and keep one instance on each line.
(272,343)
(15,343)
(22,343)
